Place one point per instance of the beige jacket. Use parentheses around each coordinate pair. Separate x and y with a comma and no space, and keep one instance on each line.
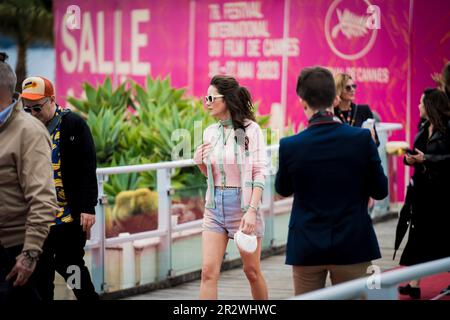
(27,194)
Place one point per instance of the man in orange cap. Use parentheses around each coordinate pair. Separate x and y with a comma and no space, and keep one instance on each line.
(74,166)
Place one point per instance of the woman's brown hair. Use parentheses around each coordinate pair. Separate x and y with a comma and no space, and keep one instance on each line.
(239,102)
(437,107)
(237,99)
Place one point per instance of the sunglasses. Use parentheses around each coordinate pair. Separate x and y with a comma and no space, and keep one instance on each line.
(350,87)
(36,108)
(211,99)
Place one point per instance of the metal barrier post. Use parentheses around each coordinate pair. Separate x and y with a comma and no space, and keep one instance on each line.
(164,224)
(267,203)
(381,207)
(387,293)
(98,236)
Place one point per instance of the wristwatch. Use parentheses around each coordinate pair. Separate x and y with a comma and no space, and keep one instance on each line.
(253,207)
(31,254)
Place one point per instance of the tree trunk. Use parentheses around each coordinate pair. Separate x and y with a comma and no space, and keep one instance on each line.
(21,66)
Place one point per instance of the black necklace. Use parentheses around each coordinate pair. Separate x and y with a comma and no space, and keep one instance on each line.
(349,120)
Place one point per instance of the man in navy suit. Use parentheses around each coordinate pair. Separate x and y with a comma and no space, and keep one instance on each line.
(331,169)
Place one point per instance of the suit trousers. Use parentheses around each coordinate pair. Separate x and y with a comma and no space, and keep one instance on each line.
(310,278)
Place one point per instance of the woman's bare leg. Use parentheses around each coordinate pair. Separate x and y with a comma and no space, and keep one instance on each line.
(252,269)
(214,245)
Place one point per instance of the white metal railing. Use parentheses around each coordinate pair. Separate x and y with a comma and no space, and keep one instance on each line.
(381,286)
(160,165)
(146,167)
(388,126)
(165,229)
(103,173)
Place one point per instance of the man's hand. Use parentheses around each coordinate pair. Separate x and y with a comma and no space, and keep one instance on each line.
(87,221)
(23,269)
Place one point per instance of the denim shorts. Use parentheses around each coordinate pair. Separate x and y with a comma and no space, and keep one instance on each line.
(226,217)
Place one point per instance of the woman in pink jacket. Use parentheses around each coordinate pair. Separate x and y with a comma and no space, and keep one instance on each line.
(233,158)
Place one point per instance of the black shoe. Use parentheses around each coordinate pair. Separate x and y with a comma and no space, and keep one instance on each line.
(411,291)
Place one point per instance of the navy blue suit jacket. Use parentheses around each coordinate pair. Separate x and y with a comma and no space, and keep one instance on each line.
(331,169)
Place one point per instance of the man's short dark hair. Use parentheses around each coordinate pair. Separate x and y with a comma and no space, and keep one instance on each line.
(316,86)
(8,77)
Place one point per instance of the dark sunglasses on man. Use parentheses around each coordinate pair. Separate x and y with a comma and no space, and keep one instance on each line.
(350,87)
(211,99)
(36,108)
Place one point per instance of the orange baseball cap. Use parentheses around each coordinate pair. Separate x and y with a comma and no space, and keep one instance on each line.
(35,88)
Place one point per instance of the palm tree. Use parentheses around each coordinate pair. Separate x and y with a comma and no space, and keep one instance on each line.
(27,22)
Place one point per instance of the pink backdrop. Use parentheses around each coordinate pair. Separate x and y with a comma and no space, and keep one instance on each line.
(376,59)
(193,40)
(239,41)
(430,48)
(160,45)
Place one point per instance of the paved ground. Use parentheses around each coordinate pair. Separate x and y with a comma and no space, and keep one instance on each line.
(233,284)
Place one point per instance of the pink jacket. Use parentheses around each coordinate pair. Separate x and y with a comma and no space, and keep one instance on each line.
(250,164)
